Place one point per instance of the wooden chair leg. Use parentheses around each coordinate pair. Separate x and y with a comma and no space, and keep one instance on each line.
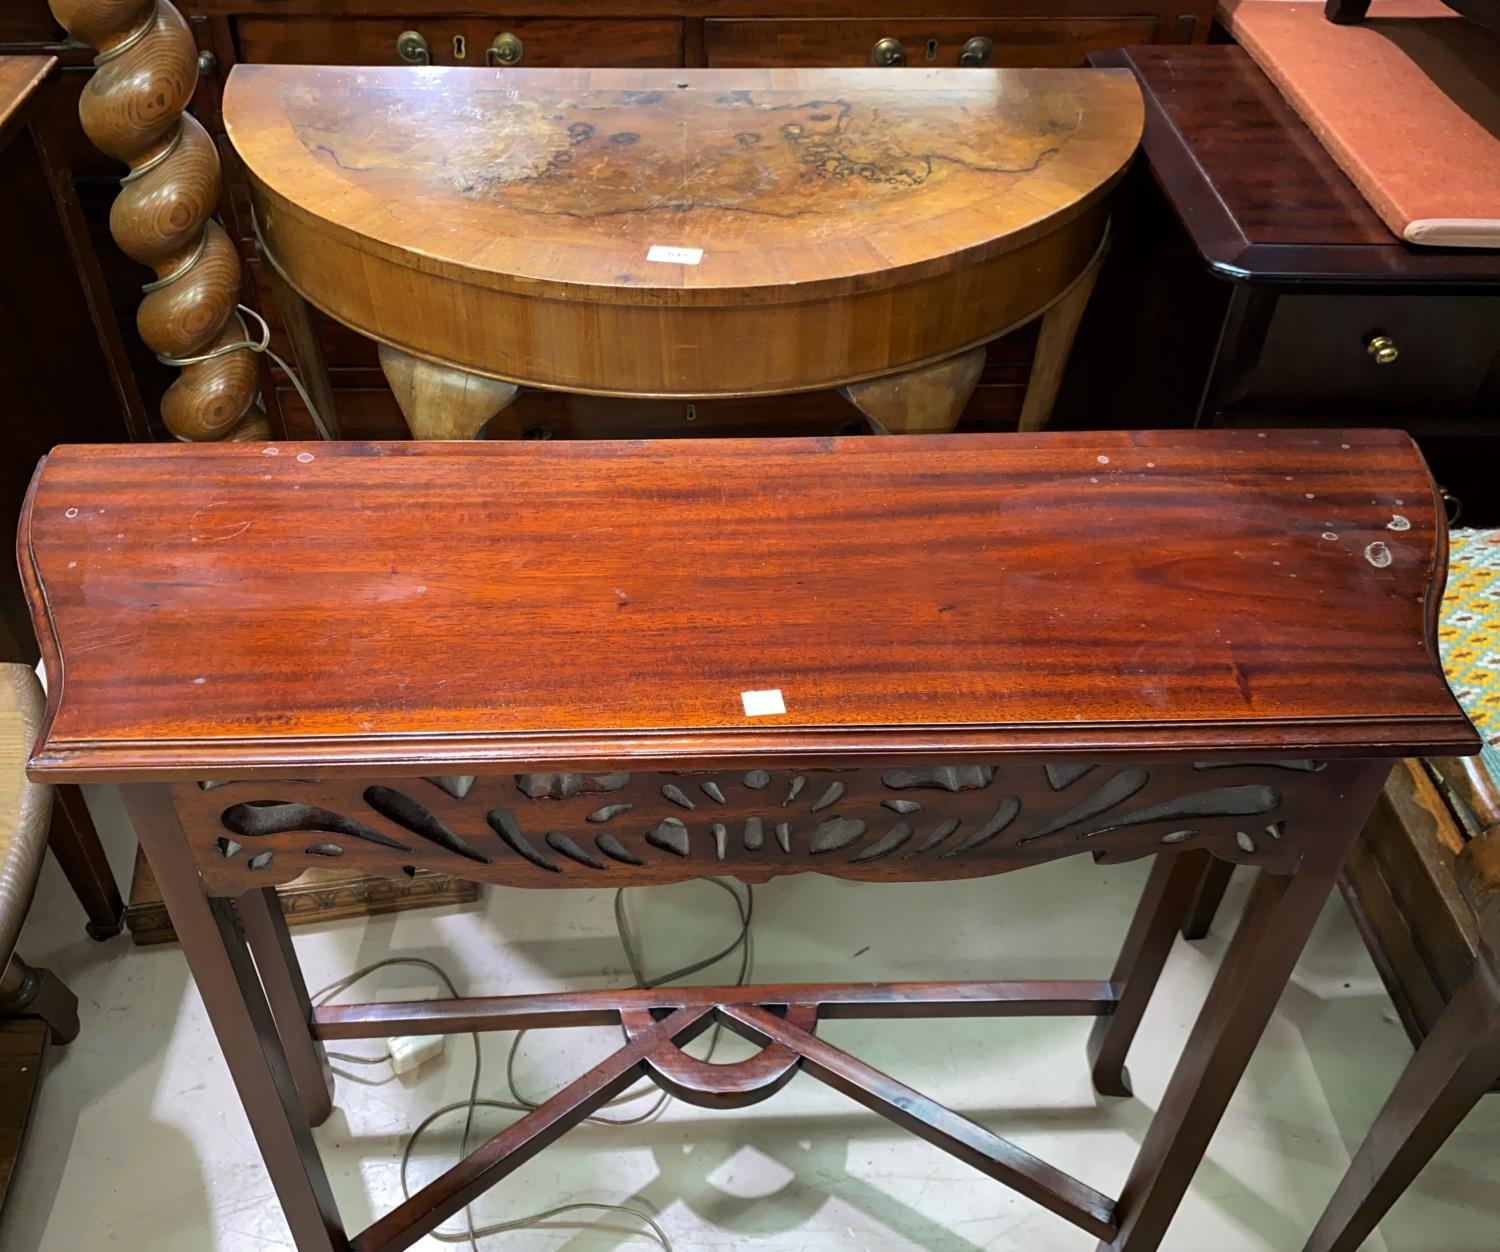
(1278,919)
(26,991)
(1169,893)
(929,400)
(1457,1063)
(264,926)
(1206,902)
(443,403)
(1055,342)
(75,844)
(227,980)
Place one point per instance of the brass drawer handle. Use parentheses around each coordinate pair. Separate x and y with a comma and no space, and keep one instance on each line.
(1382,350)
(888,51)
(977,51)
(506,50)
(412,48)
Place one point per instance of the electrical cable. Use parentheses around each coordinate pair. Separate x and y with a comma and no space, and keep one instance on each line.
(523,1103)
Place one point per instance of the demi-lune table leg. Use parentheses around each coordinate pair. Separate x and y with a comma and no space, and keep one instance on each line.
(928,400)
(439,402)
(1054,344)
(307,347)
(222,967)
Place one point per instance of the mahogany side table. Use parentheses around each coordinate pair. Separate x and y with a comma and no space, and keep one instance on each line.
(693,233)
(893,659)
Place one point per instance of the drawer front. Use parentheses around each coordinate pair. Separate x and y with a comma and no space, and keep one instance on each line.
(461,41)
(1315,356)
(1016,41)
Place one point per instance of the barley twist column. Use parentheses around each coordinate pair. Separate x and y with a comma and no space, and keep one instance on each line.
(134,110)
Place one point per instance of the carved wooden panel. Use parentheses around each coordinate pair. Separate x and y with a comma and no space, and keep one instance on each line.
(568,829)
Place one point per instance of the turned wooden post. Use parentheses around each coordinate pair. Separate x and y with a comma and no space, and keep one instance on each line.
(134,110)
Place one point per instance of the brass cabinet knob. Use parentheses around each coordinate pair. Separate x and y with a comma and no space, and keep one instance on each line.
(412,48)
(977,51)
(506,50)
(888,51)
(1382,350)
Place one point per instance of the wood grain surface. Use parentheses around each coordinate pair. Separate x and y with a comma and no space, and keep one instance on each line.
(1261,198)
(19,78)
(402,605)
(831,225)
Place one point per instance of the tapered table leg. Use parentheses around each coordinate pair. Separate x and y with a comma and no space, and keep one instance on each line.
(75,844)
(1054,344)
(264,925)
(1169,893)
(227,980)
(1209,896)
(1277,921)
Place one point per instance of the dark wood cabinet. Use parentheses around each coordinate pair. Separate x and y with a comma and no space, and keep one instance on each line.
(461,41)
(1254,286)
(1011,41)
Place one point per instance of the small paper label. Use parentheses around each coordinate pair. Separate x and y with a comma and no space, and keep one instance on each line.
(674,256)
(762,703)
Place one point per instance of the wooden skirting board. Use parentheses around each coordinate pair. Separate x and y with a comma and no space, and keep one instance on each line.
(319,895)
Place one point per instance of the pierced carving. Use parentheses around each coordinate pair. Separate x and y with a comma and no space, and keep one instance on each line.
(611,846)
(670,834)
(1003,817)
(832,795)
(1060,776)
(566,786)
(1119,788)
(398,807)
(675,794)
(939,833)
(836,833)
(504,825)
(946,777)
(259,818)
(456,785)
(561,843)
(1221,802)
(545,828)
(886,844)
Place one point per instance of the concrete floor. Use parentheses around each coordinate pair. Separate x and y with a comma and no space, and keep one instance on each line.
(139,1141)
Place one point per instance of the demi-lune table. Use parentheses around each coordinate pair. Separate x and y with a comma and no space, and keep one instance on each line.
(615,664)
(687,232)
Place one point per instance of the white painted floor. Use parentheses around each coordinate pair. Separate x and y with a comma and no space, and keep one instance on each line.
(140,1143)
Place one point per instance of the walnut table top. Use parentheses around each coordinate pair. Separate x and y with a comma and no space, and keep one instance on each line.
(681,232)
